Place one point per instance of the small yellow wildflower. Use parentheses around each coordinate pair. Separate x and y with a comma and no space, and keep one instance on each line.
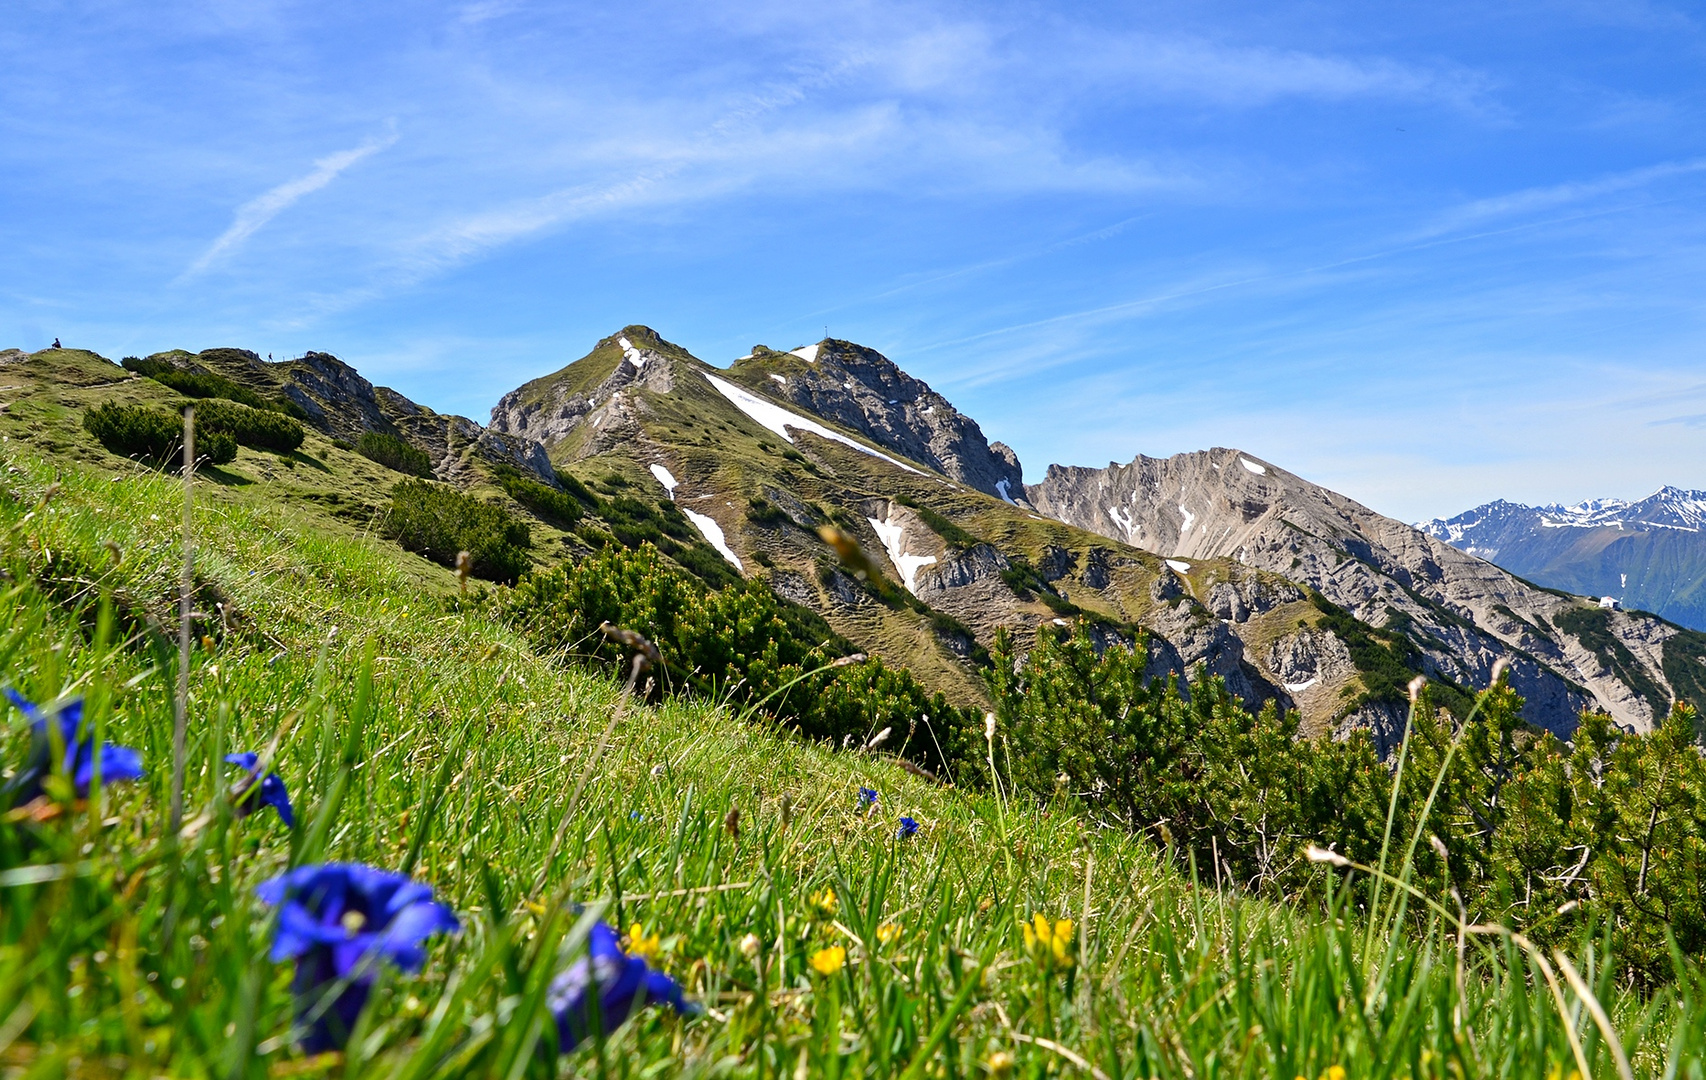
(638,944)
(888,933)
(829,961)
(826,902)
(1000,1065)
(1334,1072)
(750,944)
(1050,942)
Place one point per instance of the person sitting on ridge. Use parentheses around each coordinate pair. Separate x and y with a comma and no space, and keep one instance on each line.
(56,344)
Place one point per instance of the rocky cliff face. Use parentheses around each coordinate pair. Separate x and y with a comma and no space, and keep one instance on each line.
(1462,612)
(864,391)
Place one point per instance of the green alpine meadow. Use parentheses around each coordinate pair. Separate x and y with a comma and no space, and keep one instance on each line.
(365,742)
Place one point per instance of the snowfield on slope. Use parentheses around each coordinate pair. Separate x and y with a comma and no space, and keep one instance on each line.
(894,542)
(713,532)
(777,419)
(666,478)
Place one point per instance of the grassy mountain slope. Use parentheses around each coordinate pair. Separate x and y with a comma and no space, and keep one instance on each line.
(123,954)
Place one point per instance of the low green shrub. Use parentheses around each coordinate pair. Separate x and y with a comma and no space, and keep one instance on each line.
(254,427)
(394,453)
(153,435)
(741,643)
(437,521)
(559,508)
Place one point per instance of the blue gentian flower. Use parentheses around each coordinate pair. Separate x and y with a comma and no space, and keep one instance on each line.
(907,828)
(337,921)
(255,791)
(117,763)
(867,797)
(623,983)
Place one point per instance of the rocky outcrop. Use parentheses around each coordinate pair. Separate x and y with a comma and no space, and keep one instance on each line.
(1464,614)
(550,409)
(862,390)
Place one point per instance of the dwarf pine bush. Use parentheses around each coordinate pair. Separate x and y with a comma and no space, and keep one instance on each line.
(741,643)
(153,435)
(260,428)
(559,508)
(439,522)
(394,453)
(1529,832)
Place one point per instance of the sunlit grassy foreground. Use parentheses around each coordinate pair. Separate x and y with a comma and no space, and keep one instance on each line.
(419,736)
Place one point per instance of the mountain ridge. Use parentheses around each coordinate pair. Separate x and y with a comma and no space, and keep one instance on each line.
(1290,592)
(1644,553)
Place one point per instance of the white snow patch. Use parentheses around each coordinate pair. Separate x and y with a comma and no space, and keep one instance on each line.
(1001,490)
(893,537)
(738,359)
(808,353)
(927,410)
(714,533)
(666,479)
(622,341)
(1251,466)
(894,401)
(1299,687)
(779,420)
(1123,519)
(1180,565)
(1189,517)
(783,379)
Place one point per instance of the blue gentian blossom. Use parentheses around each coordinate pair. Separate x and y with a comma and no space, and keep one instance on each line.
(79,761)
(867,797)
(255,791)
(907,828)
(621,982)
(338,921)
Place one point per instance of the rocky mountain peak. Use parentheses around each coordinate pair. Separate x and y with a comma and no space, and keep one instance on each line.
(862,390)
(594,390)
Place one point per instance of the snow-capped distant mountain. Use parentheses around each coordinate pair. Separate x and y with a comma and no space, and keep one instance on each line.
(1648,554)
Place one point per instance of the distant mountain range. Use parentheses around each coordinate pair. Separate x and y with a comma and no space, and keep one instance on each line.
(1648,554)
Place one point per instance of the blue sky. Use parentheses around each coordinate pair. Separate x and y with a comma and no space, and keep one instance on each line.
(1426,254)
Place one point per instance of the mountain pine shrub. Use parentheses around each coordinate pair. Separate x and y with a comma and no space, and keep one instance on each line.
(153,435)
(741,643)
(559,508)
(438,521)
(259,428)
(394,453)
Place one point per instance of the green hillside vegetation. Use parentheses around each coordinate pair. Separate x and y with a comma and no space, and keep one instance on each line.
(440,522)
(394,453)
(154,436)
(423,735)
(480,741)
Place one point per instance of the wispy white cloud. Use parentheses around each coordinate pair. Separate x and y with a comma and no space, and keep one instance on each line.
(1482,212)
(255,213)
(1232,75)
